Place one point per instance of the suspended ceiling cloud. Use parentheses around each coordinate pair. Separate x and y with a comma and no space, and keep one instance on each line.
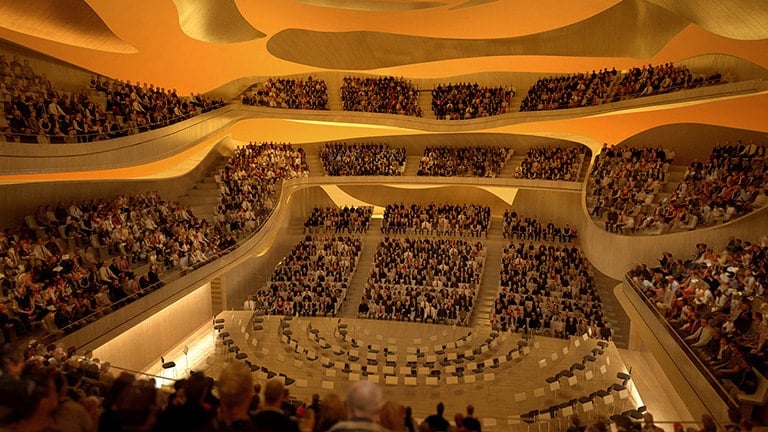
(71,22)
(374,5)
(632,28)
(216,21)
(735,19)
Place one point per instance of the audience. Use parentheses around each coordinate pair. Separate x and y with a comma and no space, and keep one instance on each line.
(362,159)
(66,286)
(312,279)
(651,80)
(467,101)
(38,112)
(480,161)
(547,290)
(587,89)
(423,279)
(569,91)
(250,183)
(708,300)
(383,95)
(528,228)
(31,400)
(432,219)
(339,219)
(309,94)
(623,186)
(552,163)
(729,184)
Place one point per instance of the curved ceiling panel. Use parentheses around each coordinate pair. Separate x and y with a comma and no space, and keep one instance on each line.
(374,5)
(71,22)
(735,19)
(632,28)
(215,21)
(471,3)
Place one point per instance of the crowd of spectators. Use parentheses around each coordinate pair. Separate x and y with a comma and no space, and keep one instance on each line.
(552,163)
(548,290)
(729,184)
(339,219)
(312,280)
(423,280)
(37,112)
(480,161)
(362,159)
(65,284)
(48,388)
(466,101)
(651,80)
(711,300)
(587,89)
(624,184)
(433,219)
(249,183)
(309,94)
(517,227)
(383,95)
(142,107)
(569,91)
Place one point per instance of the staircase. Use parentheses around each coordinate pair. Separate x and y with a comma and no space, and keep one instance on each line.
(514,161)
(203,198)
(489,286)
(217,297)
(412,165)
(371,241)
(314,163)
(612,310)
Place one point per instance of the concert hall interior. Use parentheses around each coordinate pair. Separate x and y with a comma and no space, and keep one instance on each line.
(162,163)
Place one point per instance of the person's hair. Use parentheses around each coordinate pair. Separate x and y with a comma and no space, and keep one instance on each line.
(440,408)
(195,387)
(392,416)
(235,384)
(136,403)
(332,411)
(21,398)
(364,399)
(273,391)
(470,409)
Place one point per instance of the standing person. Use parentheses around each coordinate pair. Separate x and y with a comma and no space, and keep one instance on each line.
(363,406)
(436,422)
(470,421)
(271,418)
(606,333)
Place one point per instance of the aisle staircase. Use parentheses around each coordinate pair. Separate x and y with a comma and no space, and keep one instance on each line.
(612,310)
(313,162)
(363,270)
(489,286)
(203,198)
(514,161)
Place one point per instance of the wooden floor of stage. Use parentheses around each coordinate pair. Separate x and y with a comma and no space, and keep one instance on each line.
(499,394)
